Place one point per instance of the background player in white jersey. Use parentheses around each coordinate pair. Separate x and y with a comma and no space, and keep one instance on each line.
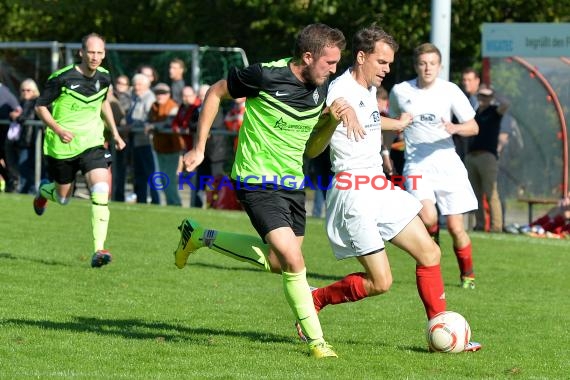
(359,220)
(430,151)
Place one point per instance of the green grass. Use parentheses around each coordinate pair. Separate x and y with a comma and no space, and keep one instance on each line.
(141,318)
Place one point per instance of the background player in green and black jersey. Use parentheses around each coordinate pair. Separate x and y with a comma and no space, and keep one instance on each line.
(74,137)
(284,102)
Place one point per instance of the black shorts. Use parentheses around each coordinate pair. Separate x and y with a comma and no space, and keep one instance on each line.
(269,209)
(64,171)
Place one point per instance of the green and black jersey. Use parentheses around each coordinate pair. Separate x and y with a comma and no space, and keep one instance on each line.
(280,114)
(76,106)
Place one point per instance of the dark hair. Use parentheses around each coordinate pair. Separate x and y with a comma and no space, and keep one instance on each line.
(84,39)
(469,70)
(426,48)
(315,37)
(180,62)
(365,40)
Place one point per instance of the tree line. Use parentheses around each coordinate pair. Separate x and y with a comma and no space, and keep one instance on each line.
(265,29)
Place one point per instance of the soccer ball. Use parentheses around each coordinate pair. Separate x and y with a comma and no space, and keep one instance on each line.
(448,332)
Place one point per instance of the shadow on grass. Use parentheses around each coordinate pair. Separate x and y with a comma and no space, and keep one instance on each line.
(310,275)
(9,256)
(138,329)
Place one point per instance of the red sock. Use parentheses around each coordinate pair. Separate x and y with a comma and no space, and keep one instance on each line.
(349,289)
(430,288)
(434,229)
(465,260)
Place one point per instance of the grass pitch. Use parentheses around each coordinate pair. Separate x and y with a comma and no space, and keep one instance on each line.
(141,318)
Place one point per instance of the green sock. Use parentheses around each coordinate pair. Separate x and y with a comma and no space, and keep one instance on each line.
(298,295)
(48,191)
(246,248)
(99,219)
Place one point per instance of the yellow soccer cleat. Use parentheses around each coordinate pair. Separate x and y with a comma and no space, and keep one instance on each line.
(321,350)
(187,244)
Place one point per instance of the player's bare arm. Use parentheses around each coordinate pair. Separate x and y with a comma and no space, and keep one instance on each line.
(469,128)
(322,134)
(214,96)
(64,135)
(399,124)
(107,114)
(339,110)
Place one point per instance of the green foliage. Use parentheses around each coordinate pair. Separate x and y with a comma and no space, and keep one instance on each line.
(141,318)
(264,28)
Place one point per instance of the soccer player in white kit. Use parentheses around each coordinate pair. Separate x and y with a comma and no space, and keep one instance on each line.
(363,208)
(430,151)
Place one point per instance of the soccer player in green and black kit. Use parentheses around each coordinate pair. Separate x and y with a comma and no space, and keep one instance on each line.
(74,137)
(285,100)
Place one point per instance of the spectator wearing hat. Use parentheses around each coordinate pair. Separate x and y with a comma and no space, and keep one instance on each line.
(482,156)
(167,145)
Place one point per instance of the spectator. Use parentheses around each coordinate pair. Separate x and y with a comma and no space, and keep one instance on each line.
(218,148)
(430,151)
(167,145)
(187,117)
(121,101)
(481,159)
(176,71)
(510,145)
(234,118)
(470,81)
(143,156)
(555,223)
(10,109)
(150,72)
(29,93)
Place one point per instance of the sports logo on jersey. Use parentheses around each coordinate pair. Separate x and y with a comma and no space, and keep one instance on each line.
(427,117)
(97,85)
(375,116)
(279,93)
(361,104)
(74,86)
(280,124)
(316,96)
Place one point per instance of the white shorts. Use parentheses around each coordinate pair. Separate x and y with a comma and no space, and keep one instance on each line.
(443,181)
(359,221)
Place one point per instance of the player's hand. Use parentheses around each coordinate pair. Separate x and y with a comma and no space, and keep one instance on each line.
(406,119)
(65,136)
(119,143)
(192,159)
(449,126)
(342,111)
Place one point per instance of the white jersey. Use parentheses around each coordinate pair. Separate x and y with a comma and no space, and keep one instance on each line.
(350,154)
(360,218)
(430,151)
(429,108)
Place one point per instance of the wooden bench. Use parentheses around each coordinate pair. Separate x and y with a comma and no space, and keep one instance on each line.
(536,201)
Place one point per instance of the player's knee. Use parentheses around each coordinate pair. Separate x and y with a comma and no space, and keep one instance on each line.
(456,229)
(100,193)
(380,286)
(431,255)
